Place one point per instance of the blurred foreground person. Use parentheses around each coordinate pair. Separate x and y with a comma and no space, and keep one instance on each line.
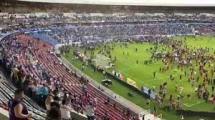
(17,109)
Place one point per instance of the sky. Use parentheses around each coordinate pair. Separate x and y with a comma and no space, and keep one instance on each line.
(136,2)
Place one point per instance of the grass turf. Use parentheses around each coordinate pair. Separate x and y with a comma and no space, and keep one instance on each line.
(143,74)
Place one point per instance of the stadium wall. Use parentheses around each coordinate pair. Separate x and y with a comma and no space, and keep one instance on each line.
(195,113)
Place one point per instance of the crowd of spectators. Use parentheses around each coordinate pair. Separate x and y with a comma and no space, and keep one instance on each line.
(40,90)
(103,27)
(27,72)
(103,32)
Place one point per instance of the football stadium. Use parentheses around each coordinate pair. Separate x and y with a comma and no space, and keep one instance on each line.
(107,60)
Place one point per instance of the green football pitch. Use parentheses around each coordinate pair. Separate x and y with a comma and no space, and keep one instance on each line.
(130,63)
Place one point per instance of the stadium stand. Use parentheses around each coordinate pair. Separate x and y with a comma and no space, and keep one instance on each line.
(69,83)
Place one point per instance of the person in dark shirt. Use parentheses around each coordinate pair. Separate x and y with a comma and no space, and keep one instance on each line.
(17,109)
(54,113)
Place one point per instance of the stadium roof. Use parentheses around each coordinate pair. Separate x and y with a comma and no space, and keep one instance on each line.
(199,3)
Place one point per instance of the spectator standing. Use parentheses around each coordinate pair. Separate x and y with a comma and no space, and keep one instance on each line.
(17,109)
(54,112)
(65,110)
(48,101)
(90,111)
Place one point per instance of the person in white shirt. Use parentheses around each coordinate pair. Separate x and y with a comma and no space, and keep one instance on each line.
(90,111)
(65,110)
